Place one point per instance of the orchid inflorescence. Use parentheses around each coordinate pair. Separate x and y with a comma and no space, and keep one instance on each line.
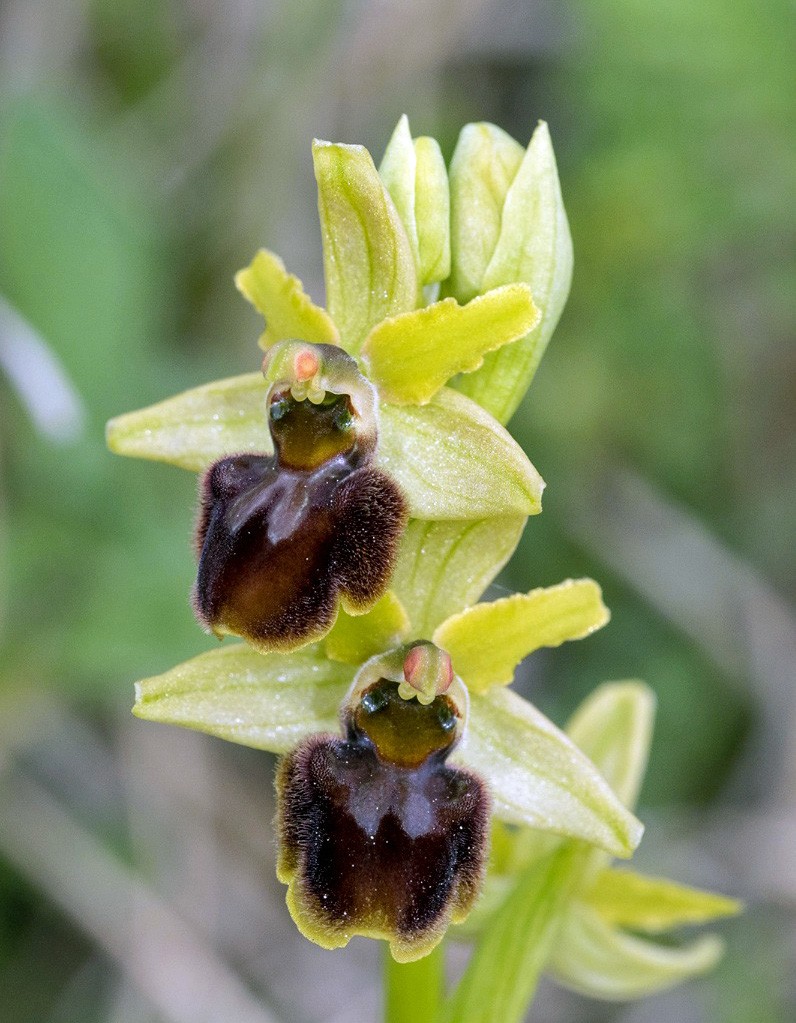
(357,499)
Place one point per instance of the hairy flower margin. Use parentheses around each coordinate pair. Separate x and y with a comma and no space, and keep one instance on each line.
(444,285)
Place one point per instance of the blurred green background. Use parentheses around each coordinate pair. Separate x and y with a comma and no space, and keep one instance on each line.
(147,150)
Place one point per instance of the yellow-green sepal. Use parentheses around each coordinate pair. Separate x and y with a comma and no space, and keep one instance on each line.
(369,266)
(356,638)
(268,701)
(410,357)
(482,169)
(487,641)
(624,898)
(199,426)
(454,461)
(444,566)
(539,778)
(288,310)
(601,961)
(534,246)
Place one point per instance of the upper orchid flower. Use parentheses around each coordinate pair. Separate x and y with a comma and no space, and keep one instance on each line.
(282,537)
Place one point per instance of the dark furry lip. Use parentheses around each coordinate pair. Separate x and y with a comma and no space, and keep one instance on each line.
(285,539)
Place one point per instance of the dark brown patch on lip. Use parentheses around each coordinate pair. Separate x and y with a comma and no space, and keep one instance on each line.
(373,847)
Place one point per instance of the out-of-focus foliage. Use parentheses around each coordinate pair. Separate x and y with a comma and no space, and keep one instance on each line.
(147,150)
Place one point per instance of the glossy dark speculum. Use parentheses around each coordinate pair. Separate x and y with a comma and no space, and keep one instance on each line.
(283,538)
(379,835)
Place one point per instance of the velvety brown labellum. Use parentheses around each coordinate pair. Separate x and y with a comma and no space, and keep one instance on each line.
(281,547)
(284,538)
(382,838)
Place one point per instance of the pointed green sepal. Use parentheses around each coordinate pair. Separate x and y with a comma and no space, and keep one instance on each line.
(196,428)
(268,701)
(539,778)
(482,169)
(445,566)
(454,461)
(410,357)
(415,176)
(355,638)
(601,961)
(432,211)
(613,727)
(534,246)
(398,170)
(488,641)
(367,257)
(650,904)
(288,310)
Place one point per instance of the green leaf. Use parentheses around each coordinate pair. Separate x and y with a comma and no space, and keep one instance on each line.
(432,211)
(598,960)
(613,727)
(539,778)
(487,642)
(626,899)
(482,168)
(368,262)
(355,638)
(268,701)
(195,428)
(453,461)
(503,972)
(409,357)
(444,566)
(534,246)
(289,312)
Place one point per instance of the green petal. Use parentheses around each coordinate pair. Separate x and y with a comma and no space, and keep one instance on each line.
(355,638)
(453,461)
(487,642)
(538,777)
(432,211)
(195,428)
(613,727)
(445,566)
(534,246)
(504,969)
(289,312)
(410,357)
(600,961)
(367,257)
(626,899)
(268,701)
(483,166)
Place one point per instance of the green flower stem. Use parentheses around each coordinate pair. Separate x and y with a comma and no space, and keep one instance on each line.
(413,991)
